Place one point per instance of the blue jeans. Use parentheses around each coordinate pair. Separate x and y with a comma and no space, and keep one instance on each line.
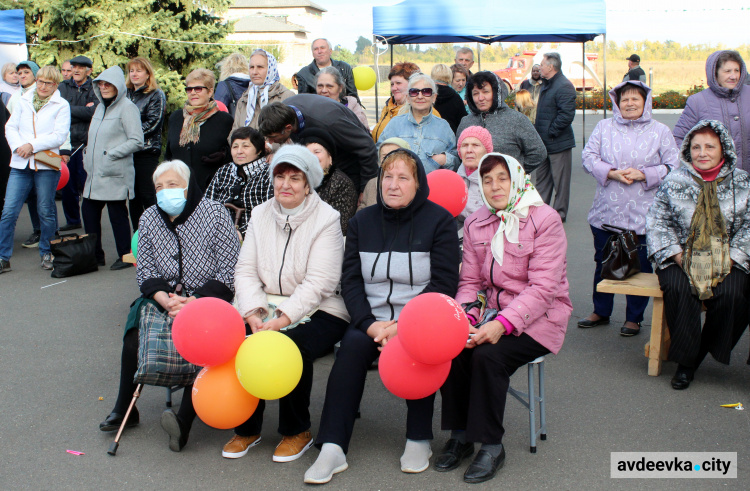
(20,184)
(603,302)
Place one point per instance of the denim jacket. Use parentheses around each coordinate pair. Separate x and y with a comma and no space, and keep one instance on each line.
(432,136)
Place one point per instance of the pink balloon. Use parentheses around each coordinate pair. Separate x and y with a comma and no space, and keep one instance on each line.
(406,378)
(433,328)
(448,190)
(64,175)
(208,331)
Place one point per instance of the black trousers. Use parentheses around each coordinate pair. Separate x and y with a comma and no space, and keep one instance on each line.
(346,383)
(477,387)
(314,340)
(726,316)
(145,194)
(118,216)
(128,367)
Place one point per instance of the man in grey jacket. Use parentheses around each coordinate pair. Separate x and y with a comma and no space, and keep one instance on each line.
(322,50)
(115,134)
(555,112)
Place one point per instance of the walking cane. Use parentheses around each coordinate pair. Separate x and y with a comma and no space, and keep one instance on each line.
(113,448)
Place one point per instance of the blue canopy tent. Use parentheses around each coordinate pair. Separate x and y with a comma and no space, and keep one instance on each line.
(12,36)
(449,21)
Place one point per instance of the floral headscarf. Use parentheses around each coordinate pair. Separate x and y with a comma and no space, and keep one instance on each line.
(523,195)
(272,77)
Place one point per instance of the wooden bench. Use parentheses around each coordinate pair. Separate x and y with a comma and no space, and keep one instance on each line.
(646,285)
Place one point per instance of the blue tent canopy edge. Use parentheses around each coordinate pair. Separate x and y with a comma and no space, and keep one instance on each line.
(447,21)
(12,28)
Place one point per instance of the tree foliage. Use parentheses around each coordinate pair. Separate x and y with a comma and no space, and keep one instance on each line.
(99,28)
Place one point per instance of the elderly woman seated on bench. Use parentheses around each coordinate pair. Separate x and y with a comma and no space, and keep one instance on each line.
(187,248)
(245,182)
(699,236)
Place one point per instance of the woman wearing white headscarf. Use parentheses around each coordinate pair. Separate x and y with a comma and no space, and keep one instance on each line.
(264,89)
(514,249)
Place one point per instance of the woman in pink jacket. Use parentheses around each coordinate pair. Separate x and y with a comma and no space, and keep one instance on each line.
(514,250)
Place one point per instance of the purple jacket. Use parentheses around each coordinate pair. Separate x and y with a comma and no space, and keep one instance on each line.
(731,107)
(531,287)
(619,143)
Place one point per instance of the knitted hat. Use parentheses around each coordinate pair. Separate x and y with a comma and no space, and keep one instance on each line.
(396,141)
(30,65)
(301,158)
(322,138)
(480,134)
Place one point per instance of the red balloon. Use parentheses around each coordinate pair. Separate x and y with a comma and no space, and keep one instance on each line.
(448,190)
(407,378)
(433,328)
(208,331)
(64,175)
(219,399)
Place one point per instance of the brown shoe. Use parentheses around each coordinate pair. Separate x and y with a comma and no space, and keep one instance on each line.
(239,445)
(292,447)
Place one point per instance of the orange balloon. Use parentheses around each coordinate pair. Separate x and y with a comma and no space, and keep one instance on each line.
(219,399)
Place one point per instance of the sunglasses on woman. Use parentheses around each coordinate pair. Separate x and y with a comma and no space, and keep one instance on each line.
(427,92)
(197,88)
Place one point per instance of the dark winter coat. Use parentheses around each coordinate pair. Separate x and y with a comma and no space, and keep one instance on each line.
(391,256)
(555,112)
(153,108)
(449,105)
(338,191)
(731,107)
(80,115)
(355,151)
(306,78)
(230,90)
(201,157)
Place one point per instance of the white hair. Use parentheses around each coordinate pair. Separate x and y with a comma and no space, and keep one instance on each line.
(421,77)
(330,46)
(178,166)
(465,51)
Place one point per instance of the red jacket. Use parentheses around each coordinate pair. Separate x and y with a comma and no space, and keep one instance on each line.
(531,287)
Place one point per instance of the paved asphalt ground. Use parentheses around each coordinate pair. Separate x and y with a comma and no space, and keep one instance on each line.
(60,353)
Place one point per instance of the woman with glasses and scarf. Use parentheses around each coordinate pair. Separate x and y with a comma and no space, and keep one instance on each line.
(264,89)
(429,136)
(199,133)
(698,233)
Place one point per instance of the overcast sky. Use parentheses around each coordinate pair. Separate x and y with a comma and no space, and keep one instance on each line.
(684,21)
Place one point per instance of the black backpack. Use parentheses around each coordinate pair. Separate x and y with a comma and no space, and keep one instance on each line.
(233,99)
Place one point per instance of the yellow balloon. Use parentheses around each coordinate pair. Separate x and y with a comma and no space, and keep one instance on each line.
(268,365)
(364,77)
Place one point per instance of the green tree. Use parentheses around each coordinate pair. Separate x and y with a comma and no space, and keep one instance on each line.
(99,29)
(343,54)
(363,45)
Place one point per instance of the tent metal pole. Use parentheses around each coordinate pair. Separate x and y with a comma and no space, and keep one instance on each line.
(479,58)
(604,91)
(377,79)
(583,64)
(391,57)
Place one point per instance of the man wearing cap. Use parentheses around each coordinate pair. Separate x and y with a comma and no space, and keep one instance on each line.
(79,92)
(635,72)
(27,78)
(321,51)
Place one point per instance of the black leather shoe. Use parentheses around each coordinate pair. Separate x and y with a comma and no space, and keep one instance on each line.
(120,264)
(452,455)
(629,331)
(70,226)
(682,378)
(584,323)
(484,467)
(114,420)
(176,429)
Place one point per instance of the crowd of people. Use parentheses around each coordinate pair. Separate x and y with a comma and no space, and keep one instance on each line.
(263,192)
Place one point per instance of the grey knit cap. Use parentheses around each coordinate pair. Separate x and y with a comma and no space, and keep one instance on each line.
(301,158)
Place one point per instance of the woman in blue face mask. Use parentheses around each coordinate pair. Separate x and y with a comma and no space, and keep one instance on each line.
(178,240)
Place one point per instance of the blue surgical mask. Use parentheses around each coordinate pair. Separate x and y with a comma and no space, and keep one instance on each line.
(171,200)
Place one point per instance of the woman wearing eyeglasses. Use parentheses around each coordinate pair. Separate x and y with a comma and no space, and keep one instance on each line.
(429,136)
(199,133)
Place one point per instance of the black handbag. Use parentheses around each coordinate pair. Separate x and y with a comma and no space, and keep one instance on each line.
(73,255)
(620,255)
